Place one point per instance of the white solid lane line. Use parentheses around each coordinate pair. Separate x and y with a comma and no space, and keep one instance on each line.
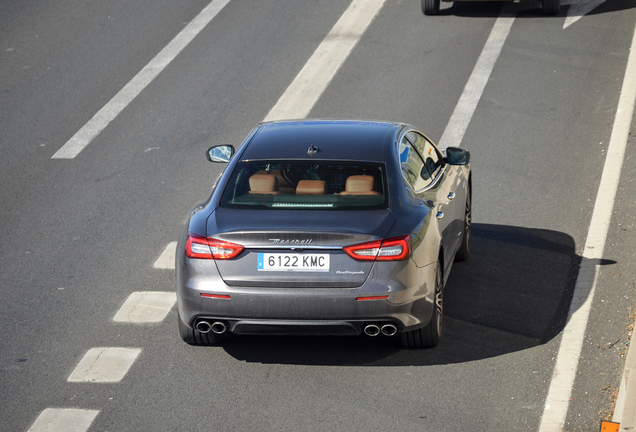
(63,420)
(463,113)
(121,100)
(556,405)
(104,365)
(315,76)
(166,259)
(146,307)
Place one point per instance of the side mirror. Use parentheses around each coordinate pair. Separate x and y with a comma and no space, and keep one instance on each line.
(220,153)
(457,156)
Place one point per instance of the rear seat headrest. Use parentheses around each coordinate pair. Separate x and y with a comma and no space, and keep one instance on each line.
(360,185)
(263,184)
(311,187)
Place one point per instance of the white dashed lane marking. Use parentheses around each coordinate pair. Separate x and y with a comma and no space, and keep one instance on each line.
(64,420)
(146,307)
(467,104)
(121,100)
(166,260)
(104,365)
(109,365)
(315,76)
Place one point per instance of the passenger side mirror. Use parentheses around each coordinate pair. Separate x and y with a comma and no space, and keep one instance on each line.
(220,153)
(457,156)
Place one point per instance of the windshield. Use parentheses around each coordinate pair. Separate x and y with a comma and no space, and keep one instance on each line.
(306,185)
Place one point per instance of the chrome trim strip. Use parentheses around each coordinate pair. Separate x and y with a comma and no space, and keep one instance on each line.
(291,247)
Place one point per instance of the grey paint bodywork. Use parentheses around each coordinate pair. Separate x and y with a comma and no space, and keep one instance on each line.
(312,303)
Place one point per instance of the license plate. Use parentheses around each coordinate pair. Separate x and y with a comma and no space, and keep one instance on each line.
(293,262)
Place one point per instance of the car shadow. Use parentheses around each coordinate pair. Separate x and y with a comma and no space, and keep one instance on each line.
(513,294)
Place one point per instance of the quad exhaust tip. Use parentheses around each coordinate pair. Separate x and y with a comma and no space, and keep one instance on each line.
(388,329)
(371,330)
(219,327)
(205,326)
(375,329)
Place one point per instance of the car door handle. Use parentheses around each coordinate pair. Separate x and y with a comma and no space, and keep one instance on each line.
(451,195)
(440,214)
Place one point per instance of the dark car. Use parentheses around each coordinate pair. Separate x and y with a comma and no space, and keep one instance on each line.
(325,228)
(549,7)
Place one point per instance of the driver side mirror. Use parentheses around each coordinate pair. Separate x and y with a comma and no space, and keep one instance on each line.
(220,153)
(457,156)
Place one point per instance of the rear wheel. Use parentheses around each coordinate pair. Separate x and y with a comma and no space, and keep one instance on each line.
(429,336)
(195,337)
(430,7)
(550,7)
(464,250)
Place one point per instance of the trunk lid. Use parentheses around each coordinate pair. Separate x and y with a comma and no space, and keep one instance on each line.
(296,249)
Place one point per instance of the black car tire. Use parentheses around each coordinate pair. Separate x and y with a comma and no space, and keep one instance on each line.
(550,7)
(464,250)
(430,335)
(194,337)
(431,7)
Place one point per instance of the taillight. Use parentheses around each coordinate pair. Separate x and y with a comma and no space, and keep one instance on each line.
(208,248)
(393,249)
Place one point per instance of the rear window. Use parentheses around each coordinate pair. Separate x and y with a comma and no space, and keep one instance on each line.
(306,185)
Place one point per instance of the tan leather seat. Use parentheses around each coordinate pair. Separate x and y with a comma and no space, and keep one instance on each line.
(263,184)
(285,186)
(311,187)
(359,185)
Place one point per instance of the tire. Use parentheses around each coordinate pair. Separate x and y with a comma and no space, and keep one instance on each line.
(430,335)
(194,337)
(431,7)
(464,250)
(550,7)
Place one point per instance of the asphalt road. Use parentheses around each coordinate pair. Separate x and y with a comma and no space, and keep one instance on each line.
(79,235)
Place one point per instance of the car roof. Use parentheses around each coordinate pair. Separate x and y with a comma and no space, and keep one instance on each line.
(335,140)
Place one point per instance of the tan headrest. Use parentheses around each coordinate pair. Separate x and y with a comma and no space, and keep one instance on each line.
(263,184)
(311,187)
(359,185)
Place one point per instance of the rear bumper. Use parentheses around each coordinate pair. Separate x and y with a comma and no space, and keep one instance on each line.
(312,311)
(304,311)
(310,315)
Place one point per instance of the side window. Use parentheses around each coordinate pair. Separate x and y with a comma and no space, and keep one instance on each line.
(432,158)
(413,166)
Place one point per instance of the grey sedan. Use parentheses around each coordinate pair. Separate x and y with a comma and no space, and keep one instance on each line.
(325,227)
